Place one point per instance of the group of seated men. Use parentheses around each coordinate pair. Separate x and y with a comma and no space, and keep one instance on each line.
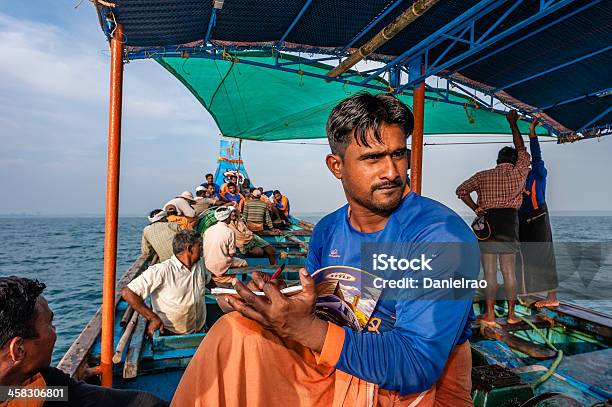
(217,225)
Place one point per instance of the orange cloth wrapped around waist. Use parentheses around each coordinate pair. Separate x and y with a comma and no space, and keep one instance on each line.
(36,381)
(239,363)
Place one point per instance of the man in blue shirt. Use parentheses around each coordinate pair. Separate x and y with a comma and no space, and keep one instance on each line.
(414,349)
(537,260)
(209,181)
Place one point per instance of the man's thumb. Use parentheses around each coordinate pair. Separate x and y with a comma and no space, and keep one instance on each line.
(307,281)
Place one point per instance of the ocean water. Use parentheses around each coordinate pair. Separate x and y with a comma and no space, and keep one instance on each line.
(67,254)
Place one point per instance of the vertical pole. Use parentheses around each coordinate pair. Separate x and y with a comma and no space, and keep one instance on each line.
(112,208)
(416,156)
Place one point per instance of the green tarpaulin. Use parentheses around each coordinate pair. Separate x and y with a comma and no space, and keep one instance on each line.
(258,103)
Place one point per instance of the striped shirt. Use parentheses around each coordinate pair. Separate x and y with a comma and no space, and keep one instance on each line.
(256,211)
(499,187)
(158,237)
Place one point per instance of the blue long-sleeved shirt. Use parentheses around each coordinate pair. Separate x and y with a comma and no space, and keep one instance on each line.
(413,336)
(534,194)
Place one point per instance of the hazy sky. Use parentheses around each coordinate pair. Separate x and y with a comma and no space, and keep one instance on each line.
(53,133)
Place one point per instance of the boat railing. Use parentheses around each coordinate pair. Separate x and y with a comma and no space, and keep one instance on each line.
(75,361)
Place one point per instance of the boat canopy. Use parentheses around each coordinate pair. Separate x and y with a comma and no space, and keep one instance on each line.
(249,101)
(548,58)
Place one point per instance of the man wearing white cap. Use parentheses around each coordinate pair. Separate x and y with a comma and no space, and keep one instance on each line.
(182,203)
(205,198)
(157,236)
(220,247)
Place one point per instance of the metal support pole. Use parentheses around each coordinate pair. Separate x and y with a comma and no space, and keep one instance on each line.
(112,208)
(416,155)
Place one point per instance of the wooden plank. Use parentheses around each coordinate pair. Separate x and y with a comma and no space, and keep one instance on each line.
(127,316)
(305,225)
(74,359)
(577,317)
(130,367)
(266,268)
(125,338)
(531,349)
(302,244)
(283,245)
(276,232)
(520,326)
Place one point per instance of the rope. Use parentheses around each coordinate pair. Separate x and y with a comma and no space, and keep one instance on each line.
(558,359)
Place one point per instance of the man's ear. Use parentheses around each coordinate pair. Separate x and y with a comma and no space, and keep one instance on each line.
(334,163)
(17,349)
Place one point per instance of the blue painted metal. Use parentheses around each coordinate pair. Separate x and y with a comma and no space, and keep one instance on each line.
(479,10)
(430,70)
(371,25)
(500,20)
(306,61)
(294,22)
(211,24)
(530,34)
(595,119)
(456,39)
(553,69)
(577,98)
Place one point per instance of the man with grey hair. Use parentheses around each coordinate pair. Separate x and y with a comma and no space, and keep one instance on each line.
(176,287)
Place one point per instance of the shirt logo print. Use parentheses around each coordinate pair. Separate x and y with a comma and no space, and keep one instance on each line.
(334,253)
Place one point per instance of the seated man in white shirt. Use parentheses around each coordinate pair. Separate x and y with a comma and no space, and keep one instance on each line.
(220,247)
(176,287)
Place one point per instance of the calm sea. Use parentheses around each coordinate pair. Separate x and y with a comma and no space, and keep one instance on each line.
(66,254)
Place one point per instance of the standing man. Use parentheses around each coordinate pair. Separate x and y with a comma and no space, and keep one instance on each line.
(412,350)
(537,252)
(500,194)
(176,287)
(220,246)
(158,235)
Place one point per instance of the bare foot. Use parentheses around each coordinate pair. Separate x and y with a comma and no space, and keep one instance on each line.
(512,320)
(547,303)
(487,320)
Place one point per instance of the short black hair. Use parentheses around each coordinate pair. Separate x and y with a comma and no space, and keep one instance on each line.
(183,239)
(231,184)
(507,155)
(17,301)
(363,112)
(209,175)
(276,191)
(154,212)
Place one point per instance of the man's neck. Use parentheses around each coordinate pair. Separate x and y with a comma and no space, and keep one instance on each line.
(183,259)
(365,220)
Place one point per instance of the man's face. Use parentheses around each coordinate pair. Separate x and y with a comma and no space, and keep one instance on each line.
(210,190)
(374,177)
(195,252)
(209,179)
(277,196)
(234,179)
(38,350)
(232,189)
(233,216)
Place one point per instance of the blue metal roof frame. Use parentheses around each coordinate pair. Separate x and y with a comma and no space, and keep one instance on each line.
(549,58)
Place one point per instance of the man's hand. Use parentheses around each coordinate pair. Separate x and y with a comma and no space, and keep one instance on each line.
(289,317)
(259,279)
(154,324)
(512,117)
(480,211)
(532,127)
